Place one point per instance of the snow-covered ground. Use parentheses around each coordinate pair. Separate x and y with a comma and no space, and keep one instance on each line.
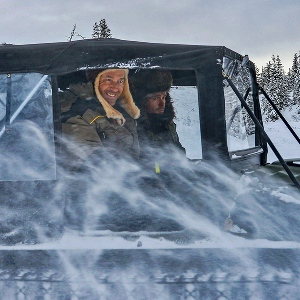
(282,138)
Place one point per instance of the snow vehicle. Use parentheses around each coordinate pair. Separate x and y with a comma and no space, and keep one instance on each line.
(225,183)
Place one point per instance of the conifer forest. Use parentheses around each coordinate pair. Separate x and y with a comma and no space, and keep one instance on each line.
(282,87)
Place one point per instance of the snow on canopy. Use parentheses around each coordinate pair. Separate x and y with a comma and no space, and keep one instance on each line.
(65,57)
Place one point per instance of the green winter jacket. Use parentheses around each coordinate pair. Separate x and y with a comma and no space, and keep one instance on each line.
(87,129)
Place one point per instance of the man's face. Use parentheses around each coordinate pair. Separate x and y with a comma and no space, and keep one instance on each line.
(156,103)
(111,85)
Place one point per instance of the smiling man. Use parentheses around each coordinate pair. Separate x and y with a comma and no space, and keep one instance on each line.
(100,113)
(111,85)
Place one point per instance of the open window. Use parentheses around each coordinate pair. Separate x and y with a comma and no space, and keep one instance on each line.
(26,127)
(185,101)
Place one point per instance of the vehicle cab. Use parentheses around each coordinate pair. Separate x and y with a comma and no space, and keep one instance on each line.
(41,200)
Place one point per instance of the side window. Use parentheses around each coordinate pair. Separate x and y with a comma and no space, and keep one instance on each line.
(185,101)
(26,128)
(240,127)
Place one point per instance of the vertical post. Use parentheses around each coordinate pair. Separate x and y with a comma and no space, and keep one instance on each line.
(8,101)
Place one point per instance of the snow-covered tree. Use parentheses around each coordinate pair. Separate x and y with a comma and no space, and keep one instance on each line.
(275,83)
(295,67)
(257,72)
(295,80)
(265,76)
(101,30)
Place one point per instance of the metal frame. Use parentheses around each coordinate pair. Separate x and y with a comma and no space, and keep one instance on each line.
(262,131)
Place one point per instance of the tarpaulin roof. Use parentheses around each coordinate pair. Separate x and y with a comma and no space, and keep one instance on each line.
(65,57)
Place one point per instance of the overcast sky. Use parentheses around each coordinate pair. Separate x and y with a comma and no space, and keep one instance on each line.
(258,28)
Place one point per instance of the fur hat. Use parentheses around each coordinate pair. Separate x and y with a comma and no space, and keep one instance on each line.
(152,81)
(125,100)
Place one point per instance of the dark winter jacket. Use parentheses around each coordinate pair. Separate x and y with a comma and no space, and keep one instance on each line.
(156,130)
(159,130)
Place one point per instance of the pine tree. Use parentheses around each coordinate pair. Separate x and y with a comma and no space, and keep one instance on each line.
(295,80)
(275,83)
(101,30)
(289,80)
(295,67)
(96,31)
(105,31)
(283,98)
(257,72)
(265,76)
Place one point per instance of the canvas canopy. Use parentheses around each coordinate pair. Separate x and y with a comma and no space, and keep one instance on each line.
(65,57)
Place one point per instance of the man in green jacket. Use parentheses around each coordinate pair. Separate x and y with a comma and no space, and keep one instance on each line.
(100,114)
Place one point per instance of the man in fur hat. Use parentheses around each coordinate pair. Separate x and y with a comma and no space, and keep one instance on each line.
(100,115)
(155,126)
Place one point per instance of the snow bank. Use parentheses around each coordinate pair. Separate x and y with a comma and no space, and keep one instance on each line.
(282,138)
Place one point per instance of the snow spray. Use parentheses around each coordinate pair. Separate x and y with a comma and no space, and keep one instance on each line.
(135,233)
